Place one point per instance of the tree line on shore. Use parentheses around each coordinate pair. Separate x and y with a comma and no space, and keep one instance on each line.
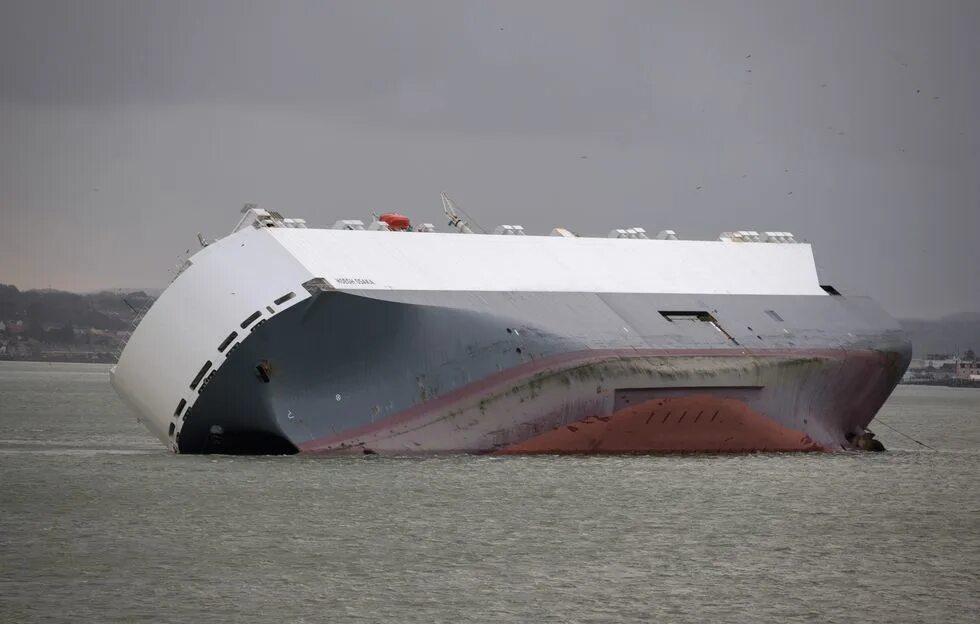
(54,315)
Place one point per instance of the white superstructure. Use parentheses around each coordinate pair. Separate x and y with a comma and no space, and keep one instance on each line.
(366,260)
(267,258)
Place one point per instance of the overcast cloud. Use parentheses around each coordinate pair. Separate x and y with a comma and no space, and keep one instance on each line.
(128,126)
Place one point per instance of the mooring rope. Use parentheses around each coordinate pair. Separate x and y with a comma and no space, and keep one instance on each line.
(878,420)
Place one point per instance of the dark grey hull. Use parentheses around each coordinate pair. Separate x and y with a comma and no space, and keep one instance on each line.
(424,372)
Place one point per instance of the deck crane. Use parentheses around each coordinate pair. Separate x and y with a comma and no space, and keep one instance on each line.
(452,210)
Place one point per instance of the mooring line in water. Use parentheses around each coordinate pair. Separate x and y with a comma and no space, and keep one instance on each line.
(903,434)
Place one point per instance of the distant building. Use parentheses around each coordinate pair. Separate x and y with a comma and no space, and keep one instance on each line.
(938,360)
(966,369)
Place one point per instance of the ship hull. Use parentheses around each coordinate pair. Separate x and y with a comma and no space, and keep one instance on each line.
(494,372)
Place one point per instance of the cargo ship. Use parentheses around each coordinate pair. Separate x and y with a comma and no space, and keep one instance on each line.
(395,339)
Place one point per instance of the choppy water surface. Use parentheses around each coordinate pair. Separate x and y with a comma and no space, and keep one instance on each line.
(98,523)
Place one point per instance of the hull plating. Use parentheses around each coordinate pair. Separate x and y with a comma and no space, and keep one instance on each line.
(400,373)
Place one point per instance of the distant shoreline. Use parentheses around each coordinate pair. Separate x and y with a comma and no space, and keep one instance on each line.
(86,358)
(947,383)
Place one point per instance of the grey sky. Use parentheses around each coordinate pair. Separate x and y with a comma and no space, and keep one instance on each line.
(126,127)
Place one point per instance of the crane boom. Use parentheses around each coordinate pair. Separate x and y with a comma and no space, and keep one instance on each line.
(449,207)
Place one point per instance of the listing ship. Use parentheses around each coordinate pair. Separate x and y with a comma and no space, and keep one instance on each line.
(394,339)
